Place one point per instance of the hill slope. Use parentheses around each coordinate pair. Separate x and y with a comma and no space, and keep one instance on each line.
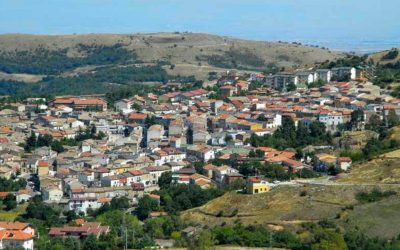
(190,53)
(288,207)
(385,57)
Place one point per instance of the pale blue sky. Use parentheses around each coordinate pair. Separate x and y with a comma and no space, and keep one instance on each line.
(330,22)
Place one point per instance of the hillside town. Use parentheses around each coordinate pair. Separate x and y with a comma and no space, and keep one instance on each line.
(78,153)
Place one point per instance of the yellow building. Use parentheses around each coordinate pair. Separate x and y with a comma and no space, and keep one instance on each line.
(43,168)
(255,185)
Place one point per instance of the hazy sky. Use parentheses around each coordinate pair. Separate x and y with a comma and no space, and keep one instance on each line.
(304,20)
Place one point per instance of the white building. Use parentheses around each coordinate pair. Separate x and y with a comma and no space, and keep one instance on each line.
(342,72)
(331,119)
(280,81)
(16,235)
(306,77)
(124,106)
(82,204)
(324,75)
(221,172)
(202,152)
(52,194)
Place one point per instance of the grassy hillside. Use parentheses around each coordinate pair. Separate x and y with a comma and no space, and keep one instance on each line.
(383,169)
(385,57)
(183,50)
(288,207)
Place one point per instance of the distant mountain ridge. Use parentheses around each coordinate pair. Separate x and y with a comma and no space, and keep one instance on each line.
(189,53)
(41,65)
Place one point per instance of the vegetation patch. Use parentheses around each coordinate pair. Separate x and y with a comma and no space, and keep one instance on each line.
(374,195)
(235,58)
(46,61)
(391,55)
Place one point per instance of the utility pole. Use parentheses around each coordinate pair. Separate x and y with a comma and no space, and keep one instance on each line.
(125,231)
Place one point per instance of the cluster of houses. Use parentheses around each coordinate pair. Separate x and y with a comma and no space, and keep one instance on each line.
(16,235)
(302,79)
(146,136)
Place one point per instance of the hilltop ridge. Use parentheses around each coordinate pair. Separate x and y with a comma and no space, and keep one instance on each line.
(189,53)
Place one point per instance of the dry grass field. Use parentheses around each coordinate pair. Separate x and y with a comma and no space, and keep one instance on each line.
(289,206)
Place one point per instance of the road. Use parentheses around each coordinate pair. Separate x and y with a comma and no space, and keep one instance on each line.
(328,181)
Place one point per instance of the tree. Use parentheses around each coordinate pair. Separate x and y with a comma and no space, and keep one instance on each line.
(145,206)
(228,138)
(204,241)
(165,180)
(117,218)
(150,120)
(90,243)
(317,131)
(275,172)
(57,146)
(38,210)
(31,142)
(120,203)
(357,116)
(70,215)
(302,135)
(291,87)
(260,153)
(199,167)
(286,133)
(44,140)
(93,130)
(392,118)
(374,123)
(252,154)
(7,185)
(10,202)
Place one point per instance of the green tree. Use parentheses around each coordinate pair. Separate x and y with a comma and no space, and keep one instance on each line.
(145,206)
(93,130)
(44,140)
(10,202)
(117,219)
(204,241)
(90,243)
(57,146)
(228,138)
(374,123)
(392,118)
(165,180)
(31,142)
(302,135)
(120,203)
(291,87)
(286,133)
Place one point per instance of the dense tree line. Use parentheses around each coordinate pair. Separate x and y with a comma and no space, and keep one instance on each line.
(56,61)
(392,54)
(322,235)
(13,184)
(347,61)
(373,196)
(116,82)
(179,197)
(33,141)
(288,136)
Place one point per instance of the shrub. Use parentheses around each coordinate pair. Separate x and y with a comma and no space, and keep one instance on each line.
(303,193)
